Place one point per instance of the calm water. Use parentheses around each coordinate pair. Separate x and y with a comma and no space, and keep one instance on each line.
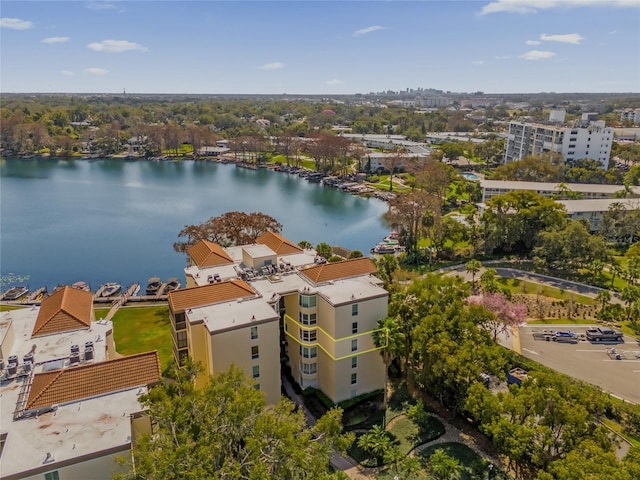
(116,220)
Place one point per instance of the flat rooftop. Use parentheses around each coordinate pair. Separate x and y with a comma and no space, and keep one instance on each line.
(552,187)
(72,430)
(598,204)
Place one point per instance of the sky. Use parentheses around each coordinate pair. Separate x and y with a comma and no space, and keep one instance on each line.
(319,47)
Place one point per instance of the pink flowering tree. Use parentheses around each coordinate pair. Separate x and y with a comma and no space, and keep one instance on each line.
(506,314)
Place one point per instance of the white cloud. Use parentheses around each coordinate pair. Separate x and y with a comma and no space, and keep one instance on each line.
(574,38)
(96,71)
(503,57)
(15,23)
(537,55)
(533,42)
(100,6)
(335,81)
(55,40)
(533,6)
(271,66)
(364,31)
(66,73)
(116,46)
(477,62)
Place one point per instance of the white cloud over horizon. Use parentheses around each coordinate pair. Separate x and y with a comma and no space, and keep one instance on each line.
(364,31)
(271,66)
(116,46)
(67,73)
(335,81)
(533,6)
(537,55)
(15,23)
(573,38)
(51,40)
(477,62)
(96,71)
(533,42)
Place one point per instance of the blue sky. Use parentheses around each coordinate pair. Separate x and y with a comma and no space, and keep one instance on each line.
(320,47)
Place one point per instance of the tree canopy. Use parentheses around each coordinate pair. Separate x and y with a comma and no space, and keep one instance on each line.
(231,228)
(225,431)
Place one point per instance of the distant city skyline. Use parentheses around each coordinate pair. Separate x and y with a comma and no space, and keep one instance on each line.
(319,47)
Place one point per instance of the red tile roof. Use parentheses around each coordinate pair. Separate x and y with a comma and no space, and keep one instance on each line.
(181,300)
(278,243)
(93,379)
(339,270)
(208,254)
(66,309)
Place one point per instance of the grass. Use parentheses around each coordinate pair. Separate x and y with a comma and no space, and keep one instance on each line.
(616,427)
(469,459)
(408,435)
(562,321)
(7,308)
(524,286)
(142,329)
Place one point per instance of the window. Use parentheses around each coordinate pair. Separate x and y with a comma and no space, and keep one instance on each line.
(181,338)
(256,371)
(256,386)
(254,352)
(254,333)
(52,476)
(308,301)
(354,362)
(308,335)
(354,378)
(354,309)
(308,318)
(310,368)
(354,344)
(308,352)
(354,327)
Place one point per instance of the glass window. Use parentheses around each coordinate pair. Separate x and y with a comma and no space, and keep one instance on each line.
(354,362)
(254,352)
(308,301)
(181,338)
(354,344)
(354,327)
(354,309)
(256,386)
(52,476)
(308,335)
(308,318)
(256,371)
(354,378)
(309,368)
(309,352)
(254,333)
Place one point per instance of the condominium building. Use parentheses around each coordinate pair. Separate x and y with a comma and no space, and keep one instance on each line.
(273,306)
(69,404)
(585,139)
(492,188)
(630,115)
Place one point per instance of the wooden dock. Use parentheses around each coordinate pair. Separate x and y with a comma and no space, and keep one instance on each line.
(122,299)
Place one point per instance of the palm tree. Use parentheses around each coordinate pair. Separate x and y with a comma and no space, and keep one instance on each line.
(376,442)
(603,296)
(388,336)
(473,267)
(630,295)
(616,271)
(444,467)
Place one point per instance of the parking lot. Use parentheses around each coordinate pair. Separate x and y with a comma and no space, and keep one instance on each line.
(617,371)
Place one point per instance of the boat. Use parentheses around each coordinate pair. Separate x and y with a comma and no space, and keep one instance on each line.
(110,289)
(38,295)
(15,293)
(153,285)
(386,248)
(172,284)
(81,286)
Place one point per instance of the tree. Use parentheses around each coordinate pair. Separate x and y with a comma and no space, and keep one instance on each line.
(473,267)
(355,254)
(376,442)
(226,430)
(444,467)
(604,297)
(324,250)
(231,228)
(540,168)
(505,315)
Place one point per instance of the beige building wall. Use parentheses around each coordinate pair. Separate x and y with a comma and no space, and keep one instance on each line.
(199,350)
(233,347)
(100,468)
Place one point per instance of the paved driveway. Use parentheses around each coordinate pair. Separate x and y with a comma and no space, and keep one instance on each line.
(591,362)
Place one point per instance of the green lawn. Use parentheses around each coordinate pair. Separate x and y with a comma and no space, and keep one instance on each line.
(470,460)
(524,286)
(141,329)
(6,308)
(408,435)
(562,321)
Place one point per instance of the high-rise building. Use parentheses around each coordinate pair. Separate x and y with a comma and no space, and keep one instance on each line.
(271,307)
(584,139)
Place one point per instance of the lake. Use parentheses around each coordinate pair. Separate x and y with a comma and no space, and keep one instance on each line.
(115,220)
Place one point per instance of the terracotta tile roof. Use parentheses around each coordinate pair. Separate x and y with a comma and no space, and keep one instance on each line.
(93,379)
(278,243)
(338,270)
(66,309)
(181,300)
(208,254)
